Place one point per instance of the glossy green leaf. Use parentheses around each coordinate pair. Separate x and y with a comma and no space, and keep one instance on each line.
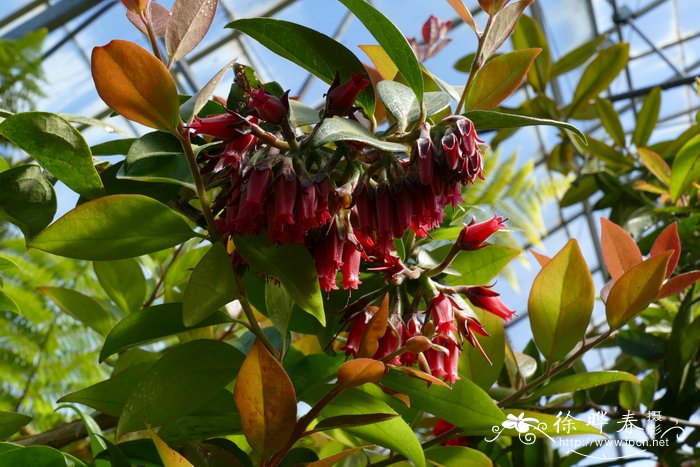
(184,378)
(613,158)
(647,117)
(157,157)
(212,285)
(38,456)
(472,364)
(315,52)
(291,264)
(401,103)
(392,41)
(153,144)
(279,306)
(581,381)
(599,74)
(686,168)
(152,324)
(341,129)
(85,309)
(457,456)
(635,289)
(610,120)
(480,267)
(194,104)
(465,405)
(82,121)
(97,442)
(502,25)
(529,34)
(202,426)
(114,147)
(8,304)
(123,281)
(188,24)
(577,56)
(114,227)
(499,78)
(492,120)
(57,146)
(11,422)
(561,302)
(579,190)
(27,199)
(392,434)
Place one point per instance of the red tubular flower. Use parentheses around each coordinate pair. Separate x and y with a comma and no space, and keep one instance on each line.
(404,210)
(328,257)
(252,201)
(411,329)
(444,363)
(341,97)
(356,333)
(441,309)
(365,207)
(425,154)
(384,209)
(351,266)
(306,204)
(473,235)
(488,300)
(282,210)
(442,426)
(323,197)
(390,341)
(268,107)
(222,126)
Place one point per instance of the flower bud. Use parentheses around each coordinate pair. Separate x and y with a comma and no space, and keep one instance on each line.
(341,97)
(268,107)
(474,235)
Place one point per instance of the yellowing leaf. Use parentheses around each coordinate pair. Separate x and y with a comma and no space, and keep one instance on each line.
(464,13)
(561,302)
(375,330)
(656,165)
(359,371)
(385,66)
(635,289)
(266,401)
(169,456)
(619,250)
(499,78)
(136,85)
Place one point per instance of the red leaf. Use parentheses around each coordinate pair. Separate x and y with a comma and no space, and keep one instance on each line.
(620,251)
(668,240)
(678,283)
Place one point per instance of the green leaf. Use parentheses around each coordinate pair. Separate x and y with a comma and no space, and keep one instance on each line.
(341,129)
(123,281)
(599,74)
(529,34)
(465,405)
(656,165)
(502,24)
(38,456)
(194,104)
(581,381)
(58,147)
(392,434)
(634,290)
(401,103)
(473,365)
(499,78)
(610,120)
(212,285)
(614,158)
(152,324)
(114,227)
(291,264)
(647,117)
(184,378)
(480,267)
(157,157)
(686,168)
(153,144)
(279,306)
(492,120)
(27,199)
(345,421)
(301,114)
(578,56)
(11,422)
(114,147)
(97,442)
(561,302)
(89,121)
(7,303)
(580,190)
(85,309)
(457,456)
(554,425)
(392,41)
(315,52)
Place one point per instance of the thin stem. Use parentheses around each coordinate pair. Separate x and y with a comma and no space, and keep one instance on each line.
(476,65)
(445,262)
(183,135)
(250,315)
(161,277)
(146,18)
(269,138)
(289,135)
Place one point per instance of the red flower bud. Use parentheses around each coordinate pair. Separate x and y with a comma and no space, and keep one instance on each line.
(488,300)
(473,235)
(341,97)
(268,107)
(221,126)
(356,333)
(351,266)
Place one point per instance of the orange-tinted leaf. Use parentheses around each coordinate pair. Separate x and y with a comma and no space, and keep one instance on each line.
(136,6)
(381,60)
(169,456)
(499,78)
(159,19)
(678,283)
(668,240)
(463,13)
(619,250)
(375,330)
(413,373)
(330,461)
(360,371)
(540,258)
(136,85)
(266,401)
(656,165)
(635,289)
(561,302)
(398,395)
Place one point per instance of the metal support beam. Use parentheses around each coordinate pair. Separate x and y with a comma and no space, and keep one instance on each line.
(54,17)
